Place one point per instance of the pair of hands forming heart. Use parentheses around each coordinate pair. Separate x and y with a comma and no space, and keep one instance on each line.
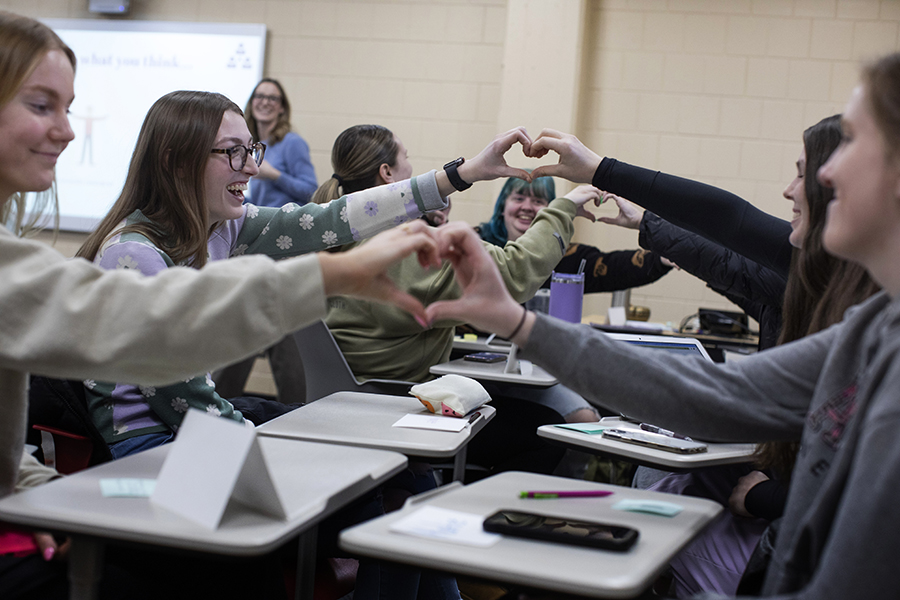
(577,162)
(363,272)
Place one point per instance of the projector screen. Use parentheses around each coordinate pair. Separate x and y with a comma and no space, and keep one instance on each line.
(123,68)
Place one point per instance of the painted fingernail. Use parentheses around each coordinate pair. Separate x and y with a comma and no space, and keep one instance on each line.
(421,321)
(48,553)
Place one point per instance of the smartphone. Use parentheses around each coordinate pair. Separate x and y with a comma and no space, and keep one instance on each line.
(561,530)
(485,357)
(655,440)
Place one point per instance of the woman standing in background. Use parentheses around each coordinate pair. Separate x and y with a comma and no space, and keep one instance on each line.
(286,175)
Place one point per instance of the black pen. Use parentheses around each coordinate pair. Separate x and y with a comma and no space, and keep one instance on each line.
(665,432)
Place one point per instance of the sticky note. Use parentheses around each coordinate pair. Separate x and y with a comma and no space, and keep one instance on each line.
(652,507)
(127,487)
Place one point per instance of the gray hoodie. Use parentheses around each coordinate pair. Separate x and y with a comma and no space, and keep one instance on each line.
(838,391)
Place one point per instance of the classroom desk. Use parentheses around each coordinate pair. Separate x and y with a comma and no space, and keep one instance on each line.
(716,454)
(313,480)
(560,568)
(481,344)
(525,373)
(366,420)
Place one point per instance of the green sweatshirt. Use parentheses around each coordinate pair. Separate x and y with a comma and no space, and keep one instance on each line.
(381,341)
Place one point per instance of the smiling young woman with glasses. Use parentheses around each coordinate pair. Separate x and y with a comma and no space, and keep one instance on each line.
(183,204)
(286,174)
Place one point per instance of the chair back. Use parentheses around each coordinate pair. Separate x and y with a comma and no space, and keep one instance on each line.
(327,370)
(58,407)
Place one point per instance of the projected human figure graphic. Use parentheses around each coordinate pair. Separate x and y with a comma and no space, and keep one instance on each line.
(87,148)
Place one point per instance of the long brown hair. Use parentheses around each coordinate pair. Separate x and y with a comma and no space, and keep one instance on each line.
(356,157)
(24,43)
(820,287)
(881,82)
(165,178)
(282,125)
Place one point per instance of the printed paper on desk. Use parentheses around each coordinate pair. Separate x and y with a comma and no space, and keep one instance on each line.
(433,422)
(212,461)
(447,525)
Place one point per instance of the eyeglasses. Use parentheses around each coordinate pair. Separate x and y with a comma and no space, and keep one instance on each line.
(240,152)
(267,98)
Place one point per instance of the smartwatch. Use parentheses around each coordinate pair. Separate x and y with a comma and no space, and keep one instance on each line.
(453,175)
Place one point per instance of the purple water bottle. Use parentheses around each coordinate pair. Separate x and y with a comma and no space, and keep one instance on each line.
(566,296)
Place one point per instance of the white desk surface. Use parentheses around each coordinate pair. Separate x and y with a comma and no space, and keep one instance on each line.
(537,377)
(366,420)
(561,568)
(313,480)
(716,454)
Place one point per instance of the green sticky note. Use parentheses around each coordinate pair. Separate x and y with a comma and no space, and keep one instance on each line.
(589,428)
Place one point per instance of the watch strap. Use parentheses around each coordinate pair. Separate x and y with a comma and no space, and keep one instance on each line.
(453,174)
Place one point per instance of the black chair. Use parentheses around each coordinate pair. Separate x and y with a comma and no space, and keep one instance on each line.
(59,424)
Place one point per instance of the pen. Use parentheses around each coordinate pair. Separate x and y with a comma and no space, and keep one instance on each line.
(665,432)
(570,494)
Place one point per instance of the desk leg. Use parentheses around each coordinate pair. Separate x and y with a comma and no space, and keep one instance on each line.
(306,565)
(459,465)
(85,567)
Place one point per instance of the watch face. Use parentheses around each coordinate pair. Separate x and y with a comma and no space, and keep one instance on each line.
(455,163)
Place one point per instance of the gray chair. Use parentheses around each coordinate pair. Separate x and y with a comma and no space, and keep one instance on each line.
(327,370)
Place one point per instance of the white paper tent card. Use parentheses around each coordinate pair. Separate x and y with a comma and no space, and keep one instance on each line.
(212,461)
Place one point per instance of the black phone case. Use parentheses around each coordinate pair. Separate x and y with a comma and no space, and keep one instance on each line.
(485,357)
(499,523)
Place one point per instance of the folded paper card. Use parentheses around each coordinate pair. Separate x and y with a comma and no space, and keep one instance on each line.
(451,395)
(214,460)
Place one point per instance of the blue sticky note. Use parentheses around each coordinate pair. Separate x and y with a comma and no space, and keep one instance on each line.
(652,507)
(127,487)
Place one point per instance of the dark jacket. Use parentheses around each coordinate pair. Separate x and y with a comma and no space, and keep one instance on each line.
(758,290)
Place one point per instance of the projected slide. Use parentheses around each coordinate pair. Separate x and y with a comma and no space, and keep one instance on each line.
(123,68)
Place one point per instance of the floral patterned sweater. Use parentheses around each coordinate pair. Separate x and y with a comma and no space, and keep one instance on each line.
(121,410)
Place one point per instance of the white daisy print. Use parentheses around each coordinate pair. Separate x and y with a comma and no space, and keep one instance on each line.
(147,391)
(329,238)
(284,242)
(89,384)
(211,409)
(289,207)
(344,214)
(179,405)
(209,381)
(120,428)
(265,230)
(239,250)
(126,262)
(252,211)
(306,221)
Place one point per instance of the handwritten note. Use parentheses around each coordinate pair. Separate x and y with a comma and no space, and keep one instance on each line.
(433,422)
(448,525)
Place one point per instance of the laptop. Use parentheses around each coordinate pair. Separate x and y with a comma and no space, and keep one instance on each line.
(676,345)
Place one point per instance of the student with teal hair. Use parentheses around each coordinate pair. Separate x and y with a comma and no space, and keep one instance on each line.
(518,205)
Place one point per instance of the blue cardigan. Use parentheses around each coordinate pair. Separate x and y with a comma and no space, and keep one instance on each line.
(298,178)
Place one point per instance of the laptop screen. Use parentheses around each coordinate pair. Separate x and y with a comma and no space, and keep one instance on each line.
(675,345)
